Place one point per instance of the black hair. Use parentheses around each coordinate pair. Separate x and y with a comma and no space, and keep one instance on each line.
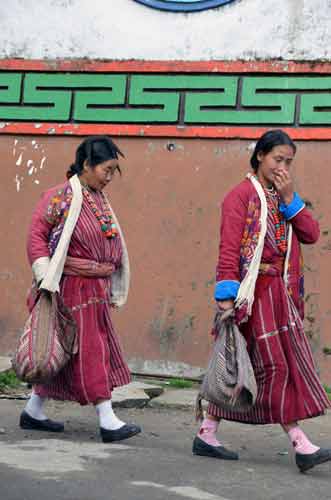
(267,142)
(94,150)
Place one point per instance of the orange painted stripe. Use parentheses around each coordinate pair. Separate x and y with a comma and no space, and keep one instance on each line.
(135,66)
(309,133)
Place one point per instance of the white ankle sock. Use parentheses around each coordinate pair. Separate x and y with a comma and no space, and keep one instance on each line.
(107,417)
(34,407)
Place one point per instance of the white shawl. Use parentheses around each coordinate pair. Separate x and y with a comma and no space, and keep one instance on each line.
(50,269)
(247,286)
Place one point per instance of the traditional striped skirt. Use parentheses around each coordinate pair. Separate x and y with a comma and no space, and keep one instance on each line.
(289,388)
(99,365)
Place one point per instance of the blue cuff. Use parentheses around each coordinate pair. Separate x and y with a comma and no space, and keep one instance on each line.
(227,289)
(291,210)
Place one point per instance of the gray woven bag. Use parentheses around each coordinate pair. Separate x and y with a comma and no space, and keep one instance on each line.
(229,381)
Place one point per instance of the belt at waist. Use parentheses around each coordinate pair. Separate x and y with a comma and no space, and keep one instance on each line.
(275,268)
(75,266)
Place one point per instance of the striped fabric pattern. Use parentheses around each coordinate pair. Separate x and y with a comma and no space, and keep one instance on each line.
(47,342)
(288,385)
(289,388)
(99,365)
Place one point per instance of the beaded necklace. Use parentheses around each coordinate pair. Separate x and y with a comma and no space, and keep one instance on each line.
(106,218)
(278,220)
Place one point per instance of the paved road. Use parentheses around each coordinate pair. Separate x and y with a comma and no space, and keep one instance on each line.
(155,465)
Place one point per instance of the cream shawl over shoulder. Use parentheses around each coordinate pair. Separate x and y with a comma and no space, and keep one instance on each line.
(51,281)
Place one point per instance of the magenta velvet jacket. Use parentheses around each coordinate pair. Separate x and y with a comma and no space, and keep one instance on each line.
(47,221)
(239,232)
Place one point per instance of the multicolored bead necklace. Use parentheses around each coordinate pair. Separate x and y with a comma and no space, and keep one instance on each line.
(106,218)
(278,220)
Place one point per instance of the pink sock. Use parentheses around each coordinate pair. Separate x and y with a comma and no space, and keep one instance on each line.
(207,432)
(300,442)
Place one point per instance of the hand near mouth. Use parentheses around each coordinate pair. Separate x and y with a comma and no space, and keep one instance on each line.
(284,185)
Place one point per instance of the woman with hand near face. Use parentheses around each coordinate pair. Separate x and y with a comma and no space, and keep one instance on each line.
(260,274)
(93,278)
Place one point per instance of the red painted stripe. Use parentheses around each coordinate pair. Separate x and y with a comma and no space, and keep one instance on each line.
(135,66)
(309,133)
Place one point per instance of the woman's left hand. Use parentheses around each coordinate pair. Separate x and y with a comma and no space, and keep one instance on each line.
(284,185)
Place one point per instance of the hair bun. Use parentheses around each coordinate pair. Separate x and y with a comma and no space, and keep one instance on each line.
(72,170)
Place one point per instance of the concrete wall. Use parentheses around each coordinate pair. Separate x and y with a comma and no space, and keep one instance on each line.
(167,202)
(124,29)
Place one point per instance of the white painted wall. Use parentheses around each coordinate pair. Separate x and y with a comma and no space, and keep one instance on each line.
(124,29)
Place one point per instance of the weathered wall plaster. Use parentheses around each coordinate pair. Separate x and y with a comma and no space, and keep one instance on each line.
(168,204)
(124,29)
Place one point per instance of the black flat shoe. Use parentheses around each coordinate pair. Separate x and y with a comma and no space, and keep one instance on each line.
(124,432)
(207,450)
(27,422)
(306,462)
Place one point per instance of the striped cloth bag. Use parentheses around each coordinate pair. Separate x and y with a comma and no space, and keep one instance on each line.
(48,340)
(229,381)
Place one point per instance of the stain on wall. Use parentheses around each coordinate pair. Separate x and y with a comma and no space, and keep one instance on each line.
(168,204)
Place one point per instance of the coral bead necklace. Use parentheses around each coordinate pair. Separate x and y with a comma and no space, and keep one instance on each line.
(278,220)
(105,218)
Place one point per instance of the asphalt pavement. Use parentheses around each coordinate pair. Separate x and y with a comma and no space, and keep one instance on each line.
(157,464)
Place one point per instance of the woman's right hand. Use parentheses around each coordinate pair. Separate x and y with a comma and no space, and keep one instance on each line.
(224,305)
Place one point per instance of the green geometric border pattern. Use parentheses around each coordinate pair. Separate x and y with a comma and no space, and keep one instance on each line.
(181,99)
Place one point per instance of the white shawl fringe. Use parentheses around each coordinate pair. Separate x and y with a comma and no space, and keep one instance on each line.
(247,287)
